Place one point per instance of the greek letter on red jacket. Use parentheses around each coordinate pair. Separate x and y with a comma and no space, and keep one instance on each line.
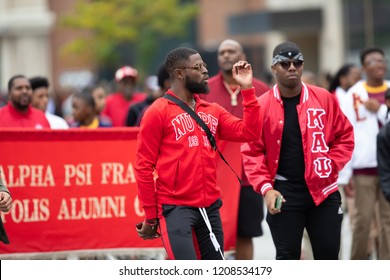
(174,145)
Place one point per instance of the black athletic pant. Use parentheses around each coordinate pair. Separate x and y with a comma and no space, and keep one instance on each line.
(322,222)
(185,234)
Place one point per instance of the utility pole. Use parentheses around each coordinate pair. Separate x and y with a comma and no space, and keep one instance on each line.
(368,23)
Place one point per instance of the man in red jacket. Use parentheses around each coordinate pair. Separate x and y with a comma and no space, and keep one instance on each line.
(118,103)
(185,200)
(305,141)
(225,91)
(19,112)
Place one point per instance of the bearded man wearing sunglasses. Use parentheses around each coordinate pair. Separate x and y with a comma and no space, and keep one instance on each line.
(305,141)
(184,201)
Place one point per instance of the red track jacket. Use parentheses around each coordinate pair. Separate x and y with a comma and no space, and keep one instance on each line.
(174,145)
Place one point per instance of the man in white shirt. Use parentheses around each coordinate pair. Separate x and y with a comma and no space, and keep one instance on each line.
(40,100)
(367,113)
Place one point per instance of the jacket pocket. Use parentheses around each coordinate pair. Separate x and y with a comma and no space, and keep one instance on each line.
(176,178)
(167,208)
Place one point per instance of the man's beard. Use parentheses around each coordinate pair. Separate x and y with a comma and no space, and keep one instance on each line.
(227,68)
(21,104)
(21,107)
(128,92)
(195,87)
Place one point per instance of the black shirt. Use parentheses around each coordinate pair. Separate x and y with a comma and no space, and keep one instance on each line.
(291,160)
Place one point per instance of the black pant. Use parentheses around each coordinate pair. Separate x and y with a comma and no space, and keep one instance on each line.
(186,236)
(322,222)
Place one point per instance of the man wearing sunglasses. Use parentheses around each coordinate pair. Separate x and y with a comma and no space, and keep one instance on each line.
(305,141)
(184,201)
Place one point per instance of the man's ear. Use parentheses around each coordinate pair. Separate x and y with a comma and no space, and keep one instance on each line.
(178,74)
(273,69)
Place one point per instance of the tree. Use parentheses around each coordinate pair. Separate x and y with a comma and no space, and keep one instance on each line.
(140,24)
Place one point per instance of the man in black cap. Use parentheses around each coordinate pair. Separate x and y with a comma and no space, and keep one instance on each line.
(305,141)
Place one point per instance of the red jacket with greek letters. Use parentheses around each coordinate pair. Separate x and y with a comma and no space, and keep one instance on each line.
(327,139)
(174,145)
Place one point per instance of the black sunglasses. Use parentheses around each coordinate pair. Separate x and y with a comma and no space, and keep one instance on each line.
(286,64)
(198,67)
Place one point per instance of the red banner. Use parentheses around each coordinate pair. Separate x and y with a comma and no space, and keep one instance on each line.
(74,190)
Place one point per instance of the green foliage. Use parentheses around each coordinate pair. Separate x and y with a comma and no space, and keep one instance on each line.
(139,23)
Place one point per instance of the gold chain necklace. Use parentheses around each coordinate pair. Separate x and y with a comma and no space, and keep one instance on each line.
(233,94)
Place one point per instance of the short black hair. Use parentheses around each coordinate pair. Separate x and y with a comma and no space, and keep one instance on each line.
(387,94)
(369,50)
(342,72)
(37,82)
(13,78)
(162,76)
(286,47)
(86,96)
(176,57)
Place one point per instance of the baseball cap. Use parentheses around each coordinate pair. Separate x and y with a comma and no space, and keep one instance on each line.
(125,71)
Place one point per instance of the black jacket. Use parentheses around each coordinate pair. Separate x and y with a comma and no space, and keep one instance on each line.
(136,111)
(383,158)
